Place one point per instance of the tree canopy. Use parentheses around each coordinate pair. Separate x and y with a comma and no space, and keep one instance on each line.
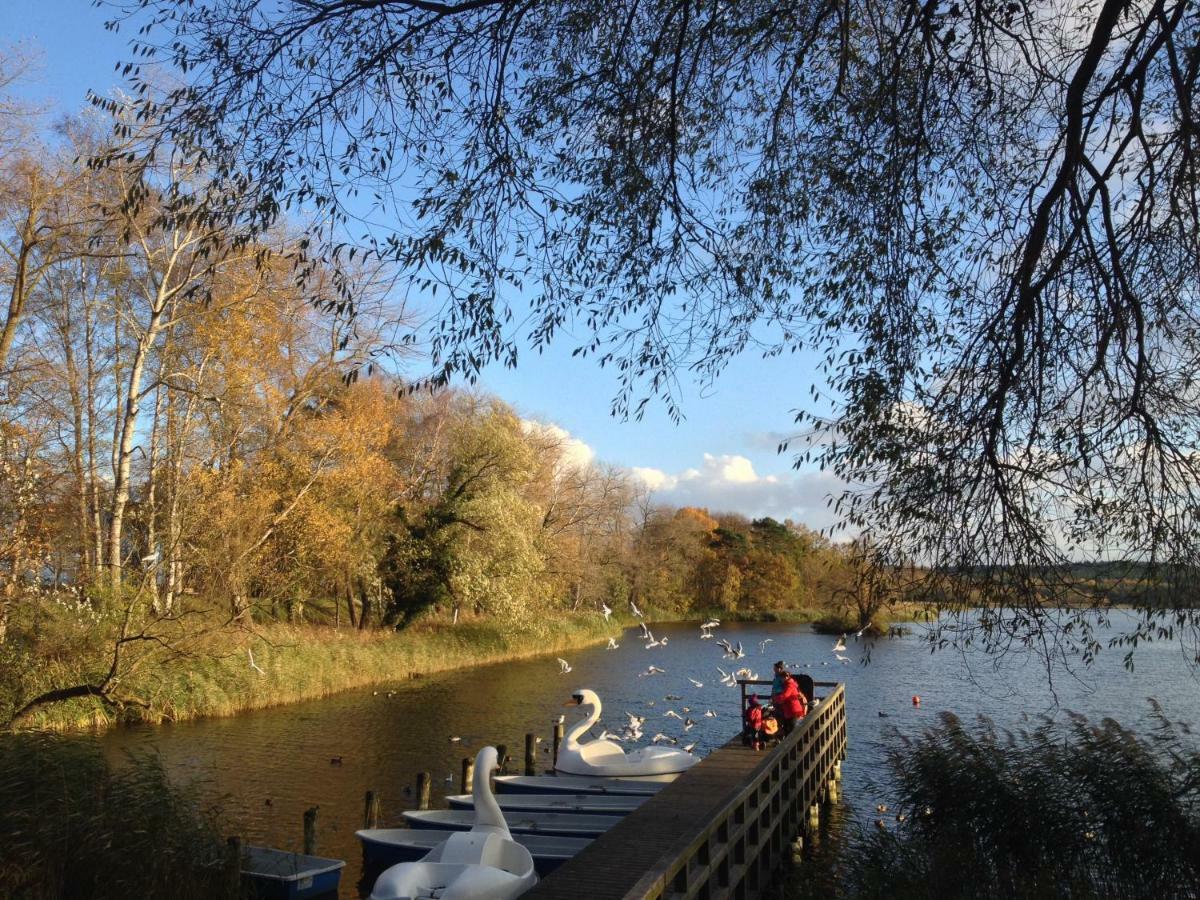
(981,216)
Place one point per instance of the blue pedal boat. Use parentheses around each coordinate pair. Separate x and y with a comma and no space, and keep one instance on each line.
(283,875)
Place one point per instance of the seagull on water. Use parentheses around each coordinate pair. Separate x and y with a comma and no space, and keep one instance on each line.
(688,748)
(840,645)
(696,683)
(652,670)
(842,659)
(564,666)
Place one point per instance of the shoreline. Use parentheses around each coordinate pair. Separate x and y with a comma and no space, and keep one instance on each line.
(302,663)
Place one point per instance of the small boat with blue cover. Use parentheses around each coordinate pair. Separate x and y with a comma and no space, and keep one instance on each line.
(283,875)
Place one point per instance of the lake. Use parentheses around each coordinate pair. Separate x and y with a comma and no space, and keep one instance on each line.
(267,767)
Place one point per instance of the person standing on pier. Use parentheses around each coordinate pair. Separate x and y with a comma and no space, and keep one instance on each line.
(789,703)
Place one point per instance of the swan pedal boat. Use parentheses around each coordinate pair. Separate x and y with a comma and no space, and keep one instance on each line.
(580,804)
(484,863)
(562,824)
(388,846)
(608,758)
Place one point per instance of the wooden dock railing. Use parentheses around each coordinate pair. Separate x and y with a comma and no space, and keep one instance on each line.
(723,826)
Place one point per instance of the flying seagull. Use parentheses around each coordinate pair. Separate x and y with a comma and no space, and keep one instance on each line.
(564,666)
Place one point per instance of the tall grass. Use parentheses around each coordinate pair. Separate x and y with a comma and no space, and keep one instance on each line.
(72,827)
(1065,809)
(215,677)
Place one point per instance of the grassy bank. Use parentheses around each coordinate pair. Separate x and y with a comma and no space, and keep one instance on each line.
(215,678)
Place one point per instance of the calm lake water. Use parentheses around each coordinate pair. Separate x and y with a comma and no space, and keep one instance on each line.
(267,767)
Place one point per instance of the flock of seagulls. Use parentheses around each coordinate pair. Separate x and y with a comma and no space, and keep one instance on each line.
(634,728)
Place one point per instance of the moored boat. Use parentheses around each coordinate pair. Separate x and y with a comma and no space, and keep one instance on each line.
(581,784)
(283,875)
(607,758)
(581,804)
(388,846)
(563,824)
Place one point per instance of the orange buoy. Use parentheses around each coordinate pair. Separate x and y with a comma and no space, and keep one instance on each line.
(916,700)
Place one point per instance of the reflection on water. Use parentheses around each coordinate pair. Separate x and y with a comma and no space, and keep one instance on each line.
(268,767)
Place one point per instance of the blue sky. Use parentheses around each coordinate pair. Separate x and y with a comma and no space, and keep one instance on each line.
(722,456)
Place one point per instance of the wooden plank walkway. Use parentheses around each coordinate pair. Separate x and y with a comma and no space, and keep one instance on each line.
(718,830)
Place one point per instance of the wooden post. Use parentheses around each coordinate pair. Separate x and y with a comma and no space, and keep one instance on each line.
(233,865)
(423,786)
(832,793)
(310,831)
(468,775)
(530,754)
(837,770)
(814,817)
(371,810)
(558,739)
(502,759)
(798,849)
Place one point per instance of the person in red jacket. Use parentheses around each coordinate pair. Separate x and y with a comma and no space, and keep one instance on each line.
(789,703)
(754,723)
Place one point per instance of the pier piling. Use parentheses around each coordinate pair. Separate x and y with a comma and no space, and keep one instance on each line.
(558,739)
(468,775)
(233,864)
(530,754)
(310,831)
(371,810)
(502,759)
(423,786)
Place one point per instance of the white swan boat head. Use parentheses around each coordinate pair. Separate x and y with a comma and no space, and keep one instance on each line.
(484,863)
(608,758)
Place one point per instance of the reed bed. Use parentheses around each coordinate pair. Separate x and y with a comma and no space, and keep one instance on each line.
(73,826)
(215,678)
(1064,809)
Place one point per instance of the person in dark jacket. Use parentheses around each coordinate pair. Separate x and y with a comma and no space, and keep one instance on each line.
(789,703)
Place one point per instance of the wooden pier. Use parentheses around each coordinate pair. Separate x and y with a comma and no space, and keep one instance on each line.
(723,826)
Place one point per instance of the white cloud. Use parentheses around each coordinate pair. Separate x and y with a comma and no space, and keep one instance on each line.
(654,479)
(720,483)
(729,483)
(575,453)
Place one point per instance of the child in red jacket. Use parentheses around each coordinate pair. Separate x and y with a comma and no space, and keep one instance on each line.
(753,721)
